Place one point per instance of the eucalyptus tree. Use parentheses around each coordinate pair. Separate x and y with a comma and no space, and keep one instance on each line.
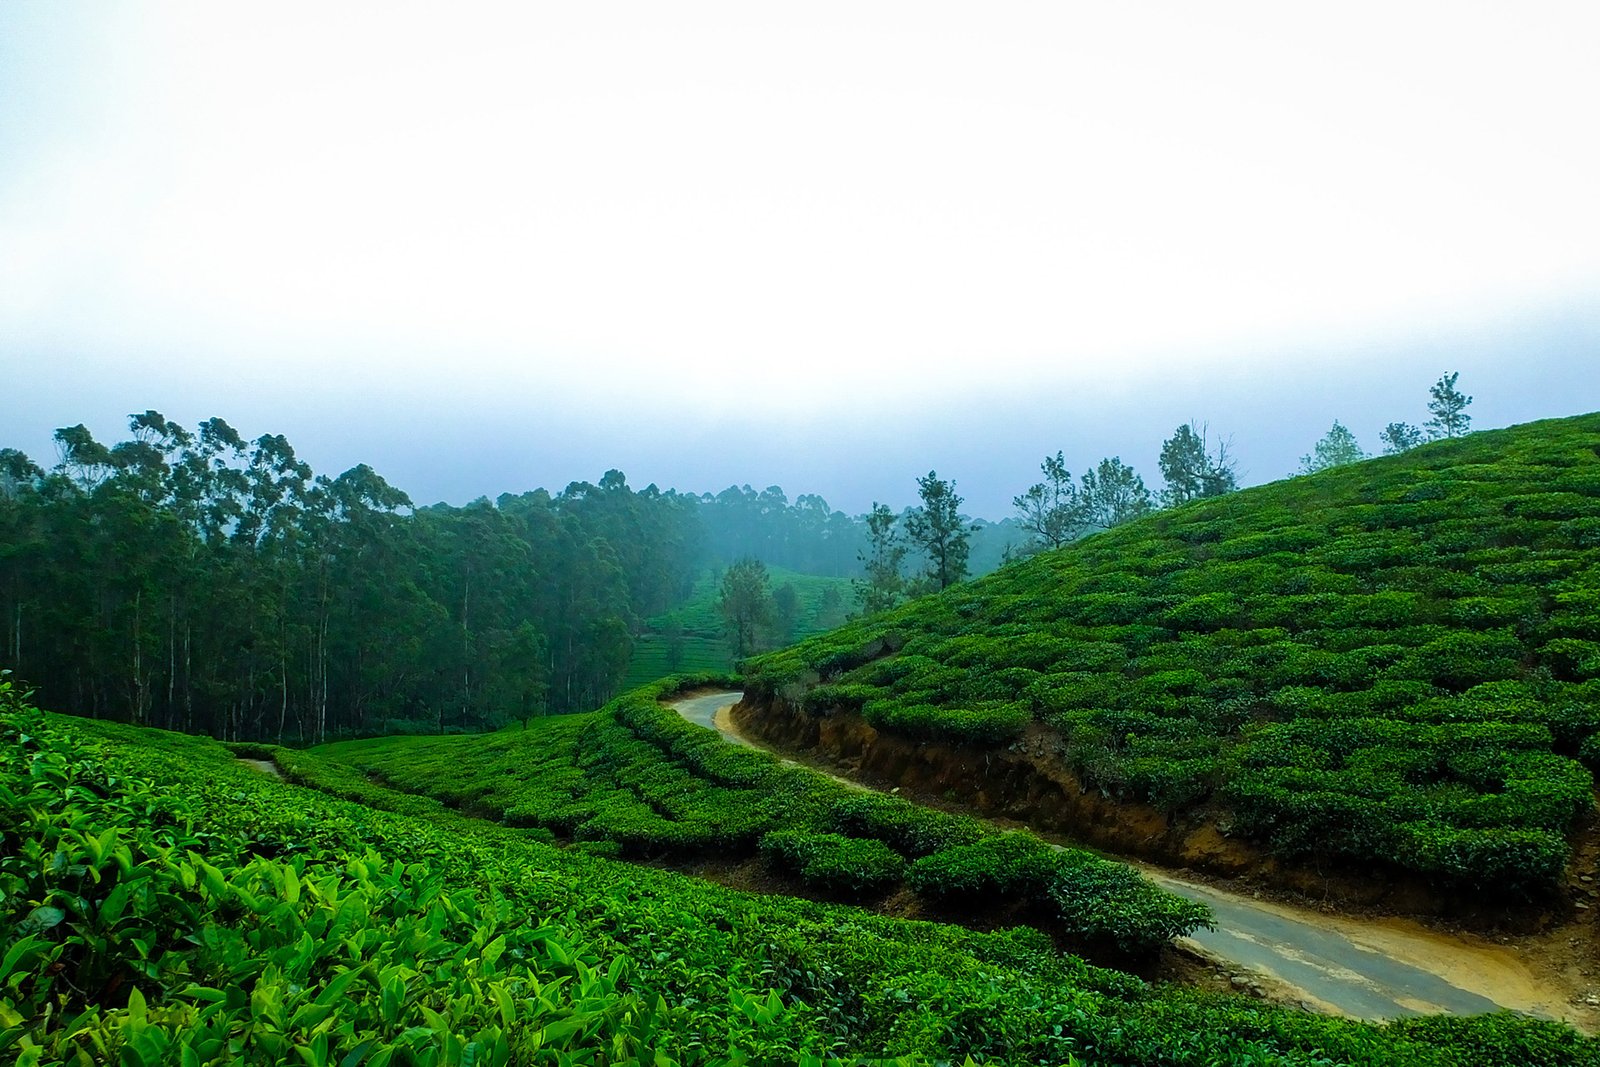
(1400,437)
(1112,493)
(744,600)
(1192,469)
(1448,406)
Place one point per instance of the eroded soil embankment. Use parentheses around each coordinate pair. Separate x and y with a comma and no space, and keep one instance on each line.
(1026,780)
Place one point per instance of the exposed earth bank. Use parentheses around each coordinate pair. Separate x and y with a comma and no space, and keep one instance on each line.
(1027,781)
(1541,959)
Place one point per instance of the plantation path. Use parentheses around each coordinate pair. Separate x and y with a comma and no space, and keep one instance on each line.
(265,766)
(1377,969)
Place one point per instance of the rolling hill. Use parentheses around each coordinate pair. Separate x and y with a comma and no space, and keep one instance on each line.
(1390,669)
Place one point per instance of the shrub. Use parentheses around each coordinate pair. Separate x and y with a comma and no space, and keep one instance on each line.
(909,829)
(833,863)
(1007,866)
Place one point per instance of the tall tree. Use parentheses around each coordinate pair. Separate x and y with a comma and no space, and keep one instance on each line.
(1400,437)
(785,612)
(1191,470)
(1113,493)
(883,582)
(1337,448)
(1050,510)
(1448,406)
(830,609)
(745,604)
(939,530)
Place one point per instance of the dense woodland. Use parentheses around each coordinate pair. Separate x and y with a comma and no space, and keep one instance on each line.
(204,582)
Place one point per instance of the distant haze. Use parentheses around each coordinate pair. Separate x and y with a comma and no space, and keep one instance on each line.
(489,247)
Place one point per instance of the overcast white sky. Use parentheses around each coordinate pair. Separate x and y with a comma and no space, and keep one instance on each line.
(486,247)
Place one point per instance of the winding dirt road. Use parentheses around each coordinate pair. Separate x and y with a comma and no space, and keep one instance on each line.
(1379,969)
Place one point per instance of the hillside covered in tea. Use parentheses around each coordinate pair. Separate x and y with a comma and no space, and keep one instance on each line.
(1393,664)
(165,904)
(637,781)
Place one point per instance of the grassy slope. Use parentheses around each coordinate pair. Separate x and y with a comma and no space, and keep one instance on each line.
(1397,660)
(162,905)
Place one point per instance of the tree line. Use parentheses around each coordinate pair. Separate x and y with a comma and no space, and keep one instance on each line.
(1052,512)
(1447,410)
(204,582)
(207,582)
(1059,509)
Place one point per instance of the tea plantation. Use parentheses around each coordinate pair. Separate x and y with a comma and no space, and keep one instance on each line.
(636,780)
(1395,663)
(162,904)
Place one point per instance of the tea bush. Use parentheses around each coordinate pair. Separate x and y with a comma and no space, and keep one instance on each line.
(1456,583)
(161,904)
(836,864)
(638,781)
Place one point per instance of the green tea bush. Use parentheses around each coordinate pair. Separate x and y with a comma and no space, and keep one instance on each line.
(162,905)
(1012,866)
(908,829)
(850,866)
(984,722)
(1456,583)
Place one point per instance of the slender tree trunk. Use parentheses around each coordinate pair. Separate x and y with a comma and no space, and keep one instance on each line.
(138,658)
(466,659)
(188,675)
(172,660)
(283,687)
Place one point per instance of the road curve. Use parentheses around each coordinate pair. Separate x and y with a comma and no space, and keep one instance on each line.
(1365,970)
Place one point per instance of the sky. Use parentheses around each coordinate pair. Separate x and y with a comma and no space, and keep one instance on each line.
(489,247)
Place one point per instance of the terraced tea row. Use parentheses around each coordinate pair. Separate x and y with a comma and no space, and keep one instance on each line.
(162,904)
(1396,661)
(637,781)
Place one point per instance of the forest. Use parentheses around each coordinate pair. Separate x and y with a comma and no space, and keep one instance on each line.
(202,581)
(205,581)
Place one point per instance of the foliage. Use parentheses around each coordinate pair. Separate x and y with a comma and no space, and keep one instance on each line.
(1050,510)
(939,530)
(834,863)
(1393,663)
(163,904)
(745,604)
(1337,448)
(882,584)
(1113,493)
(640,777)
(1448,407)
(1400,437)
(199,580)
(1191,470)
